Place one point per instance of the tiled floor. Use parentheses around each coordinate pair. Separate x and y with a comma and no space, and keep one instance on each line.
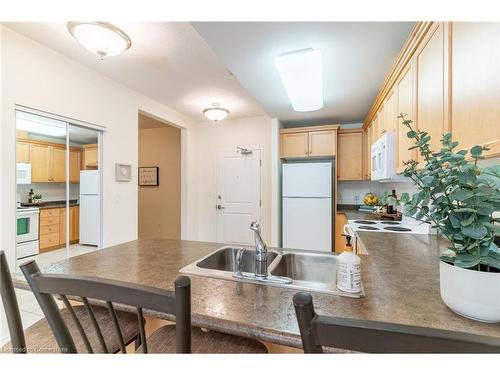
(30,311)
(60,254)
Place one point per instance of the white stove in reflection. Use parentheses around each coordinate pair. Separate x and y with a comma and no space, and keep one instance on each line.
(407,225)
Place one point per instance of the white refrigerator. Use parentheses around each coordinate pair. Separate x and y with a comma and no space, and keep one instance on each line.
(89,207)
(307,190)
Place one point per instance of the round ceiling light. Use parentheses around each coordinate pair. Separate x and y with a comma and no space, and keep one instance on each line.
(216,113)
(101,38)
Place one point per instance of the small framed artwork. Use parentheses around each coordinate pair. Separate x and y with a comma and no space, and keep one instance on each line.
(148,176)
(123,172)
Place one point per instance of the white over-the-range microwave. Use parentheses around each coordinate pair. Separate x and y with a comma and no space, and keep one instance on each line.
(383,159)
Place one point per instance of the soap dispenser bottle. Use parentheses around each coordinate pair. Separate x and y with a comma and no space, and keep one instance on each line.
(349,272)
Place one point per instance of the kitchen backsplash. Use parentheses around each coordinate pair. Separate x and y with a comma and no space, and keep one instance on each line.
(50,191)
(352,192)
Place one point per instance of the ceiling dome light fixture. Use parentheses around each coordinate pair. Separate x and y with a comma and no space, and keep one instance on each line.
(101,38)
(216,113)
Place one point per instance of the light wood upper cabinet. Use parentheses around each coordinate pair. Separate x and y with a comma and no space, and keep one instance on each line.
(74,166)
(368,153)
(90,156)
(405,90)
(295,145)
(22,152)
(322,143)
(48,161)
(476,85)
(58,167)
(391,112)
(430,64)
(350,155)
(40,163)
(375,128)
(314,141)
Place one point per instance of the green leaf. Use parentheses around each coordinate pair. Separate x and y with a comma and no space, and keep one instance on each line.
(405,197)
(475,231)
(466,260)
(409,209)
(461,195)
(468,220)
(411,134)
(476,151)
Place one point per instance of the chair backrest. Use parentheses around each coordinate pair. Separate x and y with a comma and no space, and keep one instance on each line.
(377,337)
(11,307)
(106,292)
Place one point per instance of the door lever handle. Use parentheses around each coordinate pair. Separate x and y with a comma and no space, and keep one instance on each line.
(220,207)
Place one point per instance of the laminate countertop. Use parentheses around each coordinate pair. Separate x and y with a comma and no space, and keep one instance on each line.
(400,277)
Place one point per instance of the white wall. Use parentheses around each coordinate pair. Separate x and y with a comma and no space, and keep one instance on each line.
(253,133)
(38,77)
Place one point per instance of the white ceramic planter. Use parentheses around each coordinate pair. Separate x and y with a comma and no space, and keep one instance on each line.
(473,294)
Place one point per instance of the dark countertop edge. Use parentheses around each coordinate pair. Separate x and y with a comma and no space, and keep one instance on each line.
(51,204)
(341,208)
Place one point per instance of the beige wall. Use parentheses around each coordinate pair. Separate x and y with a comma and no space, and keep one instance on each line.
(160,206)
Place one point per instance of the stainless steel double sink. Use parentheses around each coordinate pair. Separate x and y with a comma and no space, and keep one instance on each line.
(311,271)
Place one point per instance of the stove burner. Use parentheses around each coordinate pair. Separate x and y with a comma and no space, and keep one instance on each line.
(390,222)
(398,229)
(366,227)
(365,222)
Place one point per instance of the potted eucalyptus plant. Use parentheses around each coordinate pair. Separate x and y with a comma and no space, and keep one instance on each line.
(459,197)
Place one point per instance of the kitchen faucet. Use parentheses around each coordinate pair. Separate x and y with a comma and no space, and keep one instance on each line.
(260,252)
(261,257)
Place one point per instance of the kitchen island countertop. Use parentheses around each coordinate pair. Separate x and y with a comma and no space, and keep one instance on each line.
(400,277)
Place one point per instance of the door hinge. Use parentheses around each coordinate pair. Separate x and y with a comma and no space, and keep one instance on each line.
(260,162)
(260,203)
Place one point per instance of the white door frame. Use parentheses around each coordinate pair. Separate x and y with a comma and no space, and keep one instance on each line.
(261,184)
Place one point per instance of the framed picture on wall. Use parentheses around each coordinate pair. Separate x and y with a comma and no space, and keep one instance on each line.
(148,176)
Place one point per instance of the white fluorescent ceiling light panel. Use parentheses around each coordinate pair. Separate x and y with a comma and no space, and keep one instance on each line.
(301,74)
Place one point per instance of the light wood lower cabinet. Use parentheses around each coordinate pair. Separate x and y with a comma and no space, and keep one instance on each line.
(350,155)
(52,231)
(475,85)
(74,224)
(340,241)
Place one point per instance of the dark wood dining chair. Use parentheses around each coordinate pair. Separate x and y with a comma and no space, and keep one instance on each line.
(317,331)
(93,292)
(38,338)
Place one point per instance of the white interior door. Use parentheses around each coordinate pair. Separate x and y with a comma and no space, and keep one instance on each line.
(238,198)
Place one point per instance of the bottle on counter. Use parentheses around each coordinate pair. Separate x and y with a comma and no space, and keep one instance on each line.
(390,208)
(30,196)
(349,272)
